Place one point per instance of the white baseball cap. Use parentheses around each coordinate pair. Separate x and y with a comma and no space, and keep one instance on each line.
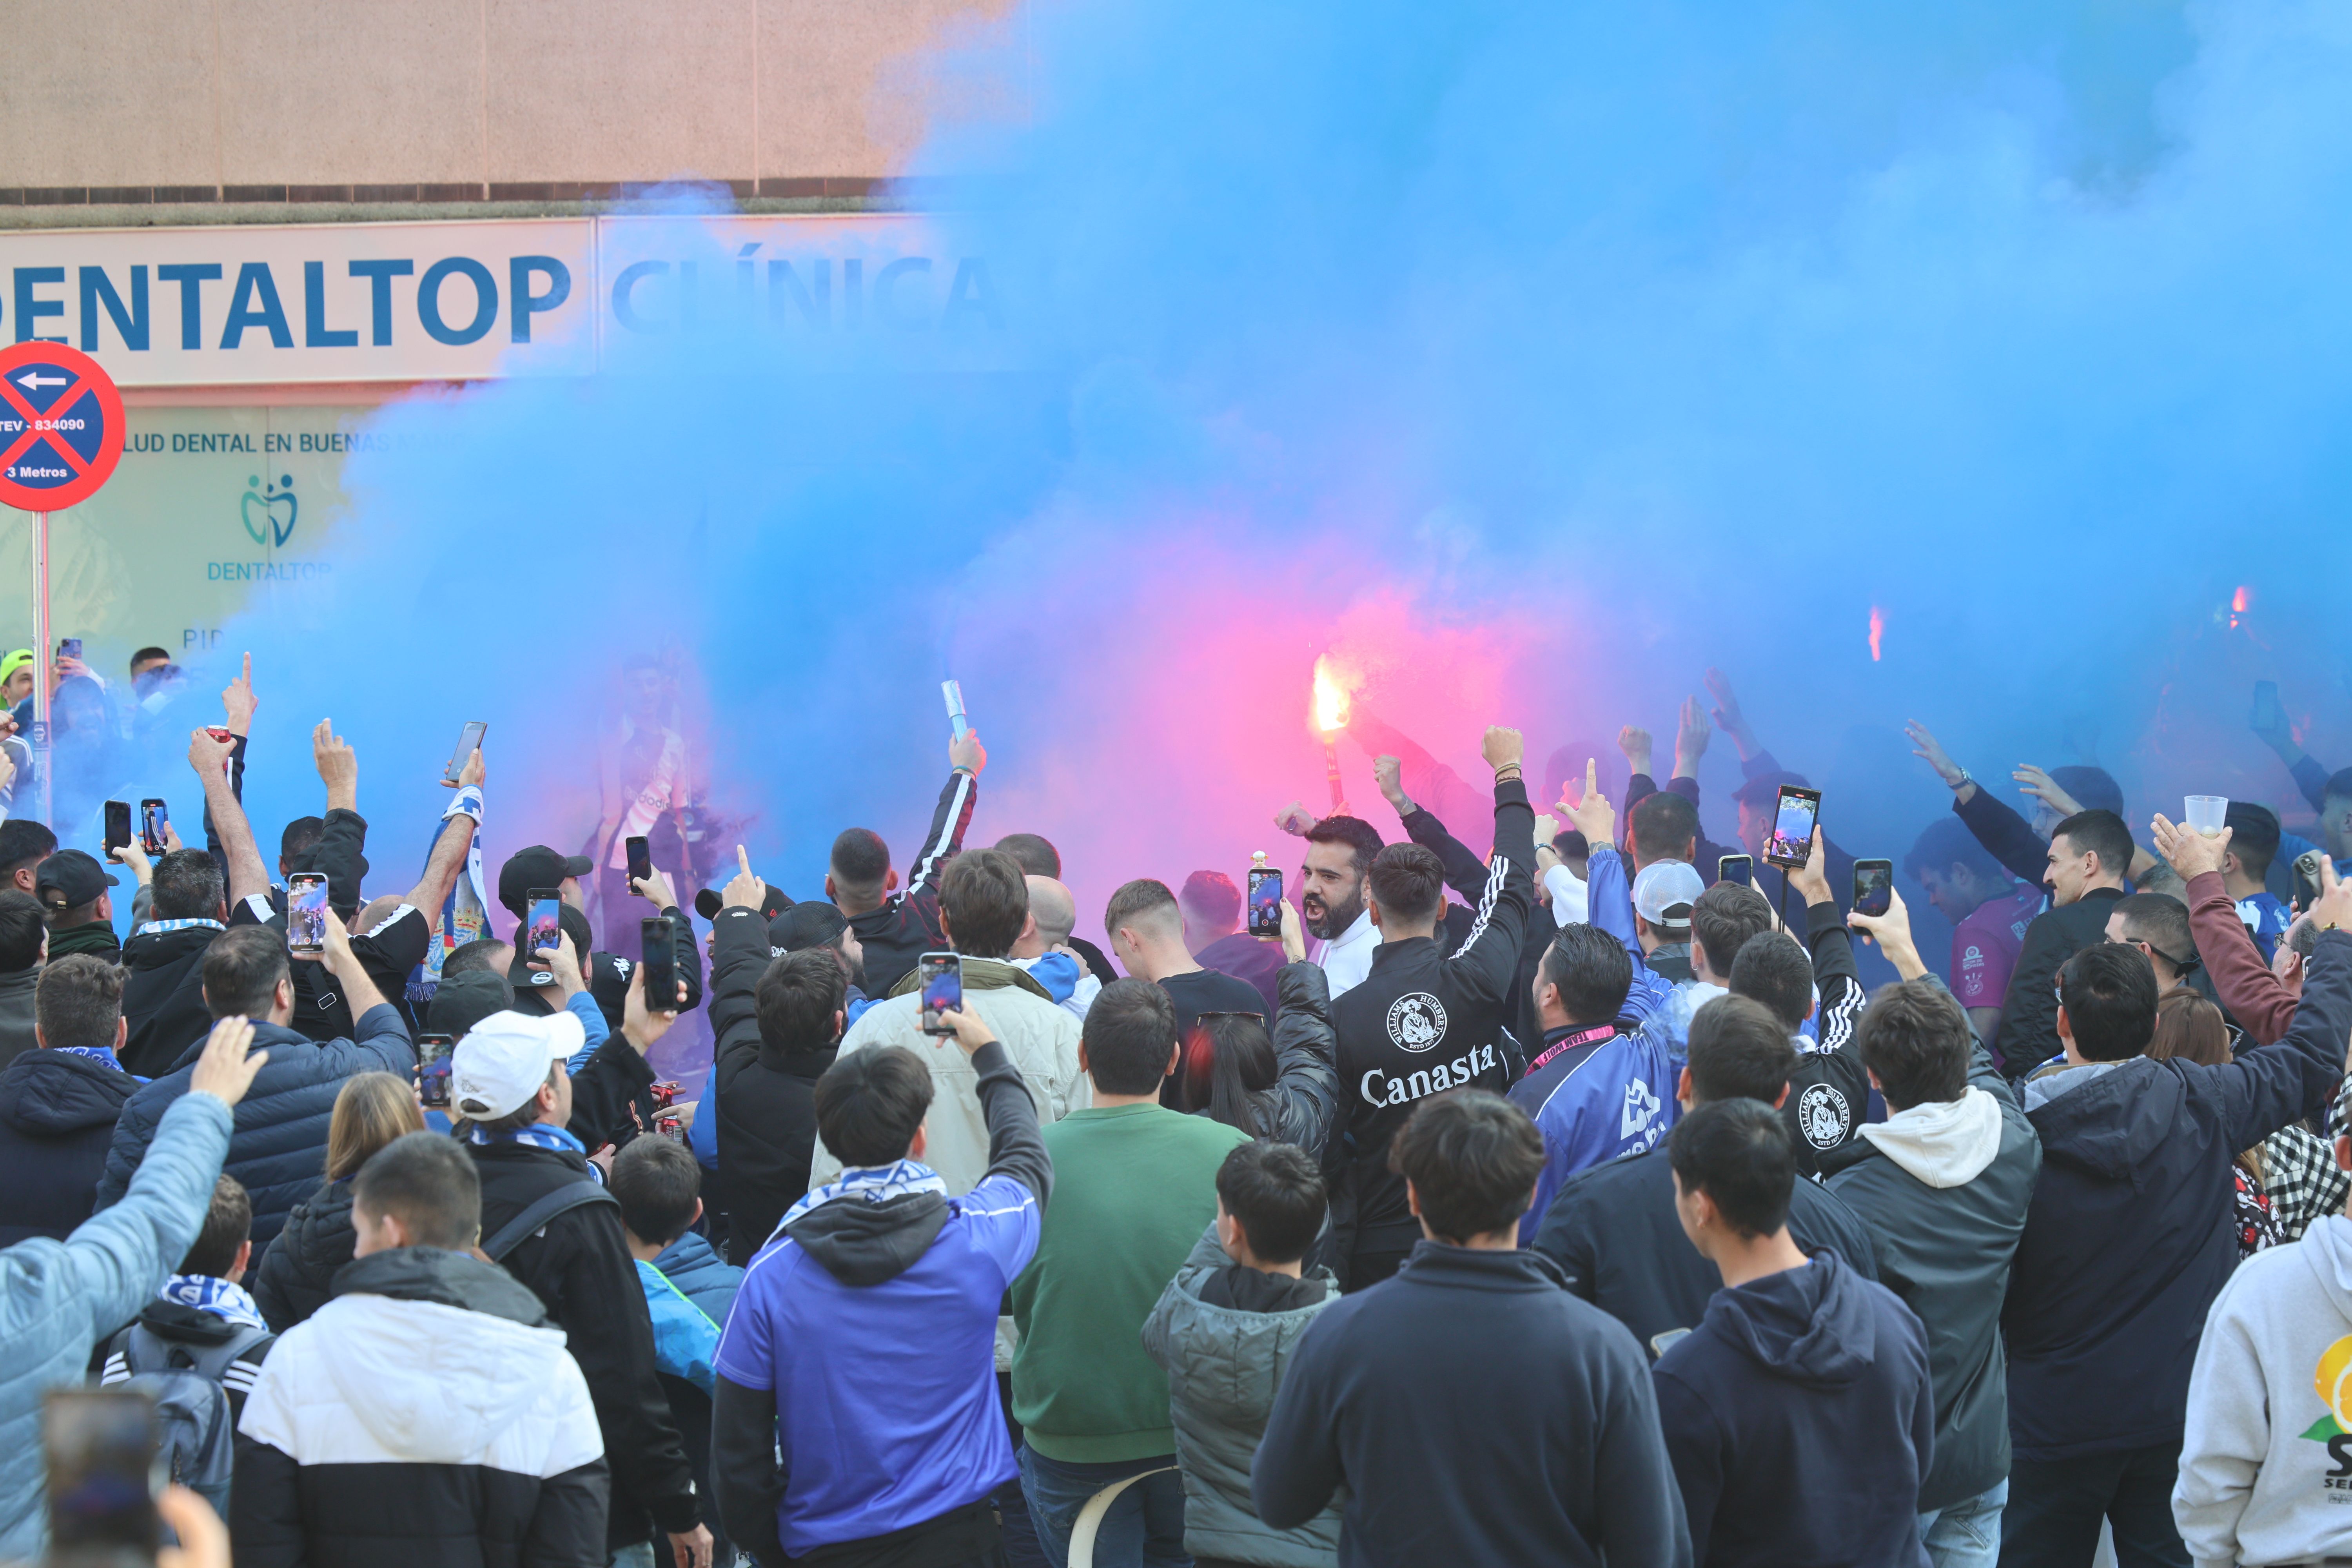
(502,1061)
(1664,892)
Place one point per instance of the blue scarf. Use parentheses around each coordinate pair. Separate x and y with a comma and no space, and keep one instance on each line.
(95,1053)
(150,928)
(225,1300)
(874,1184)
(540,1135)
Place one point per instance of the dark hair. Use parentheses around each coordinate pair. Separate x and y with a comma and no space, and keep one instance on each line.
(187,886)
(2339,785)
(1765,788)
(22,926)
(145,654)
(2303,938)
(1212,896)
(1409,882)
(2109,995)
(2094,789)
(1143,896)
(860,861)
(228,1225)
(2100,833)
(301,837)
(1592,972)
(985,896)
(1664,825)
(2254,833)
(1914,1038)
(429,1185)
(869,1103)
(2160,921)
(1946,843)
(1228,1062)
(1570,845)
(1353,831)
(1275,1193)
(2191,1029)
(1036,854)
(22,842)
(1724,917)
(1473,1158)
(1738,1152)
(657,1182)
(242,969)
(76,1002)
(1773,969)
(1129,1033)
(798,994)
(483,956)
(1739,1050)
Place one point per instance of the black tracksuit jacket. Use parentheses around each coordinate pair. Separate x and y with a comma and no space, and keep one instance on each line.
(906,924)
(766,1093)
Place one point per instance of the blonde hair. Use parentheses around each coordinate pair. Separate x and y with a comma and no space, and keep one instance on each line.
(372,1109)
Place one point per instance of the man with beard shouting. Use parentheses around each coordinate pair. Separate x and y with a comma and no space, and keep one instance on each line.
(1339,851)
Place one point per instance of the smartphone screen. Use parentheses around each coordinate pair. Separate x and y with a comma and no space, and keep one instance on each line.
(432,1069)
(2266,705)
(1740,868)
(1793,817)
(660,947)
(1265,901)
(469,741)
(99,1447)
(1874,886)
(153,817)
(942,990)
(545,926)
(118,823)
(306,913)
(641,858)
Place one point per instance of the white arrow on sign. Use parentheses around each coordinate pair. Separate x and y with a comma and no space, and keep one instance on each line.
(34,378)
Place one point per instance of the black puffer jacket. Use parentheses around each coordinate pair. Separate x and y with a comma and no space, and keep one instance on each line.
(163,997)
(57,1113)
(767,1094)
(297,1272)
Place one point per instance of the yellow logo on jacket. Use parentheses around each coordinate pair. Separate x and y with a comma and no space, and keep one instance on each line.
(2333,1381)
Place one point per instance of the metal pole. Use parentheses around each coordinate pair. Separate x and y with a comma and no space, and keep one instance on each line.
(40,653)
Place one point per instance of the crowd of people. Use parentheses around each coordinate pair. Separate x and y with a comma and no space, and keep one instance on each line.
(1550,1188)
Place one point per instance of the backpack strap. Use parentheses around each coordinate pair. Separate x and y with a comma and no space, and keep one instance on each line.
(535,1218)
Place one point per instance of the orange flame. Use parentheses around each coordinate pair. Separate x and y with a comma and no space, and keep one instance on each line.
(1331,698)
(1877,629)
(2239,600)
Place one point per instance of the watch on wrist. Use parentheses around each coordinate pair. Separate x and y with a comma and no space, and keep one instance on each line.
(1965,780)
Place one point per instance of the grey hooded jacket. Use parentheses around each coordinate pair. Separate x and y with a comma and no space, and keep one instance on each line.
(1224,1366)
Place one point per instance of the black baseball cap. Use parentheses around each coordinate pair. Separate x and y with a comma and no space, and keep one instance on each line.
(810,924)
(464,1000)
(70,878)
(772,903)
(537,867)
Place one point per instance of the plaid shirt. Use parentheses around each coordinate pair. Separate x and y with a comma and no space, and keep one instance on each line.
(2300,1177)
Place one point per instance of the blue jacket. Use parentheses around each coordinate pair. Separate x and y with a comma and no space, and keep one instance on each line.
(704,1278)
(1801,1420)
(684,1339)
(279,1148)
(1595,1102)
(59,1299)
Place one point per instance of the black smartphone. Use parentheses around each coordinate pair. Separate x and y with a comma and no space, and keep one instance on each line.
(2266,705)
(1795,815)
(1874,886)
(1265,901)
(306,913)
(118,823)
(544,928)
(2307,879)
(69,647)
(641,858)
(1740,868)
(469,741)
(99,1445)
(659,935)
(153,817)
(432,1069)
(943,991)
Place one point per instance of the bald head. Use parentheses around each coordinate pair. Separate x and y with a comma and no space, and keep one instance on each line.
(1055,912)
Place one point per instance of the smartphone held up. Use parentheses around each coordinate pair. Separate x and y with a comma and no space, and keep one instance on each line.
(306,914)
(1265,901)
(469,741)
(1796,813)
(943,991)
(1874,888)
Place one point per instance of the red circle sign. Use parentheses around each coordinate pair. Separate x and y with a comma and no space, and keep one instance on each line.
(60,427)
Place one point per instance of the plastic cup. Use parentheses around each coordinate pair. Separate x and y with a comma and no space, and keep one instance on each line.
(2204,813)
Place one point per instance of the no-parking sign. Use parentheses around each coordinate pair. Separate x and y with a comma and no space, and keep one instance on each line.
(60,427)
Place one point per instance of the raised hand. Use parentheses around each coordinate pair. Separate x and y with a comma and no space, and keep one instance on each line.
(1389,774)
(338,765)
(1593,815)
(2037,783)
(1924,744)
(2187,851)
(1691,737)
(1634,741)
(226,1070)
(1503,747)
(1295,819)
(965,751)
(238,700)
(744,890)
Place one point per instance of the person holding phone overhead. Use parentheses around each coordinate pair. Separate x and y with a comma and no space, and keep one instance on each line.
(642,777)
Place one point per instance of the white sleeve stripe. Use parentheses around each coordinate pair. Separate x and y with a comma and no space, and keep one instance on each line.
(117,1370)
(260,905)
(947,830)
(1487,898)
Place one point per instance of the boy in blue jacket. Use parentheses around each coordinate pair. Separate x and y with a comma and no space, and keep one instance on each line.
(689,1289)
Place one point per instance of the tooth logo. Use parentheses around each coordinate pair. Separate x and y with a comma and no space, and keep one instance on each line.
(261,507)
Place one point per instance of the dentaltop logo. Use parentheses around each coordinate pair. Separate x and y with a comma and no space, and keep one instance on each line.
(269,509)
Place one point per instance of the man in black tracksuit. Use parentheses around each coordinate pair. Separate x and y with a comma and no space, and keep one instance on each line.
(765,1088)
(896,928)
(1425,1020)
(2088,858)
